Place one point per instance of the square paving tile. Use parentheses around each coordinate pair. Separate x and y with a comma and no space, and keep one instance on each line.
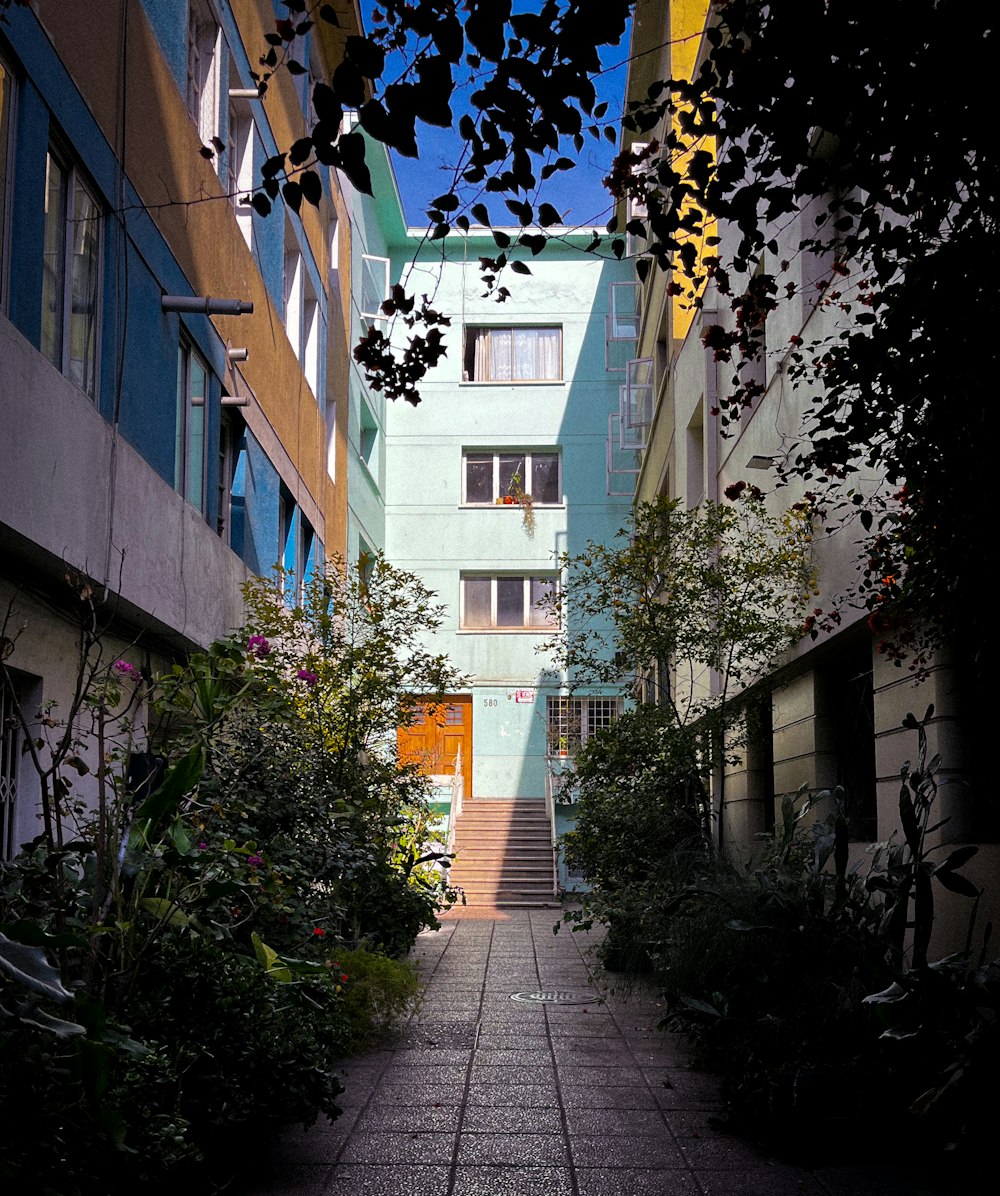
(484,1149)
(415,1092)
(539,1096)
(601,1077)
(409,1118)
(493,1119)
(626,1181)
(645,1123)
(620,1150)
(375,1146)
(512,1181)
(392,1180)
(587,1096)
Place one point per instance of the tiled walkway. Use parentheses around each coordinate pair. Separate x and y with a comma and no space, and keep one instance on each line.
(487,1096)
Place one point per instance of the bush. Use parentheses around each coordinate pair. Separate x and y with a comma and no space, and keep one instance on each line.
(378,991)
(640,828)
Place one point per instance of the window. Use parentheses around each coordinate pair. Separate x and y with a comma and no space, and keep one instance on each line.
(302,313)
(202,93)
(239,169)
(10,755)
(190,442)
(298,547)
(489,478)
(6,157)
(232,454)
(70,269)
(368,438)
(374,290)
(507,602)
(512,355)
(572,721)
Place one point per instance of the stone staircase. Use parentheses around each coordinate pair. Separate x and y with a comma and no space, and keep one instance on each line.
(503,853)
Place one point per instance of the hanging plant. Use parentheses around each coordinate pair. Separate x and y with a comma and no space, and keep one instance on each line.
(524,500)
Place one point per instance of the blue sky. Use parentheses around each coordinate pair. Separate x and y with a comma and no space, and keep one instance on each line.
(578,194)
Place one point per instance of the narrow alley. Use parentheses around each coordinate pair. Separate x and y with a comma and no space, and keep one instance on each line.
(486,1093)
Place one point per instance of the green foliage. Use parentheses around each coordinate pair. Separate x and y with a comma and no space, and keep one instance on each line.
(720,587)
(642,825)
(199,906)
(378,992)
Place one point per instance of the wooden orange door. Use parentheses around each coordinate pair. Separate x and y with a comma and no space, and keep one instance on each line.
(435,736)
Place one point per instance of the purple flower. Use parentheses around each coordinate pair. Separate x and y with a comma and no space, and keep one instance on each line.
(255,861)
(124,669)
(258,646)
(308,677)
(202,845)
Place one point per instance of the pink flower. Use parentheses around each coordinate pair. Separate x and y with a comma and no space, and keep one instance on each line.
(124,669)
(308,677)
(255,861)
(258,646)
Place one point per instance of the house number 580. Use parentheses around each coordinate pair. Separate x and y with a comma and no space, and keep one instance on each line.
(490,702)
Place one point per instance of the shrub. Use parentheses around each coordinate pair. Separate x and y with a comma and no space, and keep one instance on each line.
(378,992)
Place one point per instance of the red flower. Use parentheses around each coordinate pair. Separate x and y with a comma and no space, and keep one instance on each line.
(319,932)
(343,977)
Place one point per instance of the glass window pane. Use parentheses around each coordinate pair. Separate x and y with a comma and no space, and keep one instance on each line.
(511,467)
(500,351)
(181,421)
(476,612)
(479,478)
(545,477)
(54,262)
(537,354)
(196,434)
(84,232)
(510,602)
(541,616)
(374,285)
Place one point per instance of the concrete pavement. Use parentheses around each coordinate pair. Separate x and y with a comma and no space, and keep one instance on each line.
(484,1095)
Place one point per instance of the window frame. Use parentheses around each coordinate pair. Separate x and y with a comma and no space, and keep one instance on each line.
(469,354)
(493,627)
(63,300)
(239,167)
(202,83)
(496,493)
(183,455)
(571,720)
(376,318)
(302,313)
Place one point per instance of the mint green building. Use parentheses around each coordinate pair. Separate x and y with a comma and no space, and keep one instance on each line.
(502,466)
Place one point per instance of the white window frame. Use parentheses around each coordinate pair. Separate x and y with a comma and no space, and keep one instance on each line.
(497,494)
(303,315)
(374,270)
(570,720)
(239,168)
(188,468)
(469,354)
(204,54)
(551,581)
(65,304)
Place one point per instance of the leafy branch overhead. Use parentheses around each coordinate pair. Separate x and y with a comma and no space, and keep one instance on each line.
(799,110)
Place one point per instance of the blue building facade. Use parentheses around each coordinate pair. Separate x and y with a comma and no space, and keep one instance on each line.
(150,442)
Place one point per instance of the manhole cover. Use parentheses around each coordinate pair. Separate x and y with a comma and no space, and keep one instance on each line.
(558,997)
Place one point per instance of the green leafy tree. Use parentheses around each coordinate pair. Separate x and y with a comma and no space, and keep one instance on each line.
(702,599)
